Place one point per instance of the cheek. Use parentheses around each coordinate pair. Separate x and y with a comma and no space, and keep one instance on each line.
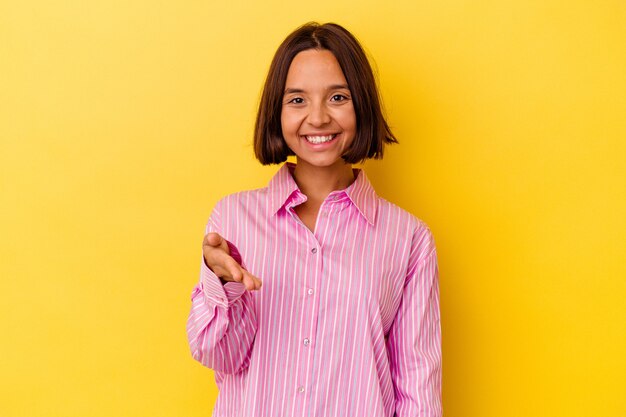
(289,123)
(284,123)
(348,118)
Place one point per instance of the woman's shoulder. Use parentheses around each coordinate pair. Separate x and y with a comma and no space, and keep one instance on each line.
(419,231)
(406,218)
(242,198)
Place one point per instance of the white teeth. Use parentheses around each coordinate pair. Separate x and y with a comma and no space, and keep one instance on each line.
(319,139)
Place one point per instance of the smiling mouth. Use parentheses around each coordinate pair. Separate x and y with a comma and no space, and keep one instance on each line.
(320,139)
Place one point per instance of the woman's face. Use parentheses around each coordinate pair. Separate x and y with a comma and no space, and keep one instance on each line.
(317,117)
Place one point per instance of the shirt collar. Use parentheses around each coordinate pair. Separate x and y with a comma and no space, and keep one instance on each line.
(361,193)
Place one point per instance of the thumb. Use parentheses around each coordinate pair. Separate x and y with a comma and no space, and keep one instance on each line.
(214,239)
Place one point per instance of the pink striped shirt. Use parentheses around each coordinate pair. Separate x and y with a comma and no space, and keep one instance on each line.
(347,320)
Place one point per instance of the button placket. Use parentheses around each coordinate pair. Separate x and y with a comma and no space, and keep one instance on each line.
(310,307)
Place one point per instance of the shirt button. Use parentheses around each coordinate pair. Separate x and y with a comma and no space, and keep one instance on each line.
(300,389)
(314,250)
(309,291)
(306,342)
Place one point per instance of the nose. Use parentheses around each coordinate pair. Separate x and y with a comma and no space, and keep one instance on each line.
(319,115)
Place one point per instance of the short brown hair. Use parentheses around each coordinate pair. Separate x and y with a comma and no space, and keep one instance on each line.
(373,132)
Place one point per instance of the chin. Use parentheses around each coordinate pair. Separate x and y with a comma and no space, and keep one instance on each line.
(322,163)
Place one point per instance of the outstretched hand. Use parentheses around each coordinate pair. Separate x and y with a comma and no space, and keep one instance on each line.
(217,258)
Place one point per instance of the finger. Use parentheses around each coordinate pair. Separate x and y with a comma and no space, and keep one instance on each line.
(255,283)
(218,256)
(234,269)
(248,282)
(213,239)
(222,264)
(213,258)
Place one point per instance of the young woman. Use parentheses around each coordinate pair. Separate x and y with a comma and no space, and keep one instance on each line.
(316,296)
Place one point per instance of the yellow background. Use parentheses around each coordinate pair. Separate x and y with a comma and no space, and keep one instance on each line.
(121,124)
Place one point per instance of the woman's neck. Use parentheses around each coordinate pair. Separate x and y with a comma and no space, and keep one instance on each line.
(317,182)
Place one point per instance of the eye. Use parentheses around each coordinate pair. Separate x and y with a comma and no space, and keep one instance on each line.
(295,100)
(339,97)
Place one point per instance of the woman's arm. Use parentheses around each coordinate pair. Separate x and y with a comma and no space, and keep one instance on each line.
(414,341)
(222,322)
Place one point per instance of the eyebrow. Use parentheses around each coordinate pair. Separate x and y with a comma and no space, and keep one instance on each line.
(330,87)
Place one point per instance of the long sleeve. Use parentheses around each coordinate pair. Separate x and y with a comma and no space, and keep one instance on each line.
(222,323)
(414,341)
